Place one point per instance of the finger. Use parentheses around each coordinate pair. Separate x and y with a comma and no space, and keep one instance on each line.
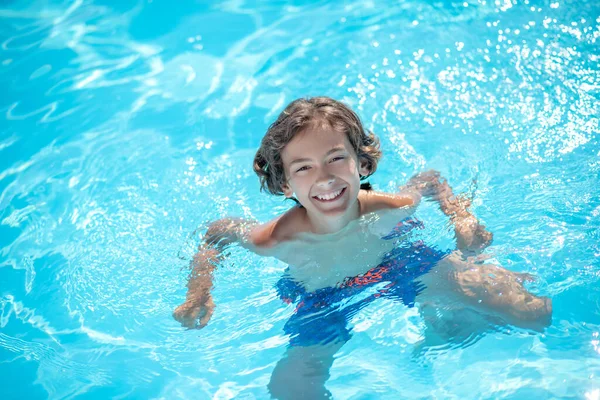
(191,318)
(188,316)
(205,318)
(208,309)
(180,314)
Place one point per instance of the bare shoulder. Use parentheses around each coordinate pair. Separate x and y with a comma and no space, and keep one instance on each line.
(371,201)
(279,229)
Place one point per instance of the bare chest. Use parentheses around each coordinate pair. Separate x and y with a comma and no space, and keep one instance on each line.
(325,262)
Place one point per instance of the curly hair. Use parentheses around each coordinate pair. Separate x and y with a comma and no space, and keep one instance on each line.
(312,112)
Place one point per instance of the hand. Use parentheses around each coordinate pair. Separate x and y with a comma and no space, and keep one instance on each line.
(426,183)
(471,236)
(195,314)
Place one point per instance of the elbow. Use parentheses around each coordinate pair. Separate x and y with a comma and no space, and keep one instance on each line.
(414,198)
(223,231)
(218,233)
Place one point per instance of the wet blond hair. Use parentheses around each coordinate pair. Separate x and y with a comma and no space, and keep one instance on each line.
(301,114)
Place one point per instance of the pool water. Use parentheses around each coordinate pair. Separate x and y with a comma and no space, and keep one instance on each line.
(127,125)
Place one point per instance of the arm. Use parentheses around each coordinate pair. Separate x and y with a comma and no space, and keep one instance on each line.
(198,307)
(484,285)
(470,234)
(491,288)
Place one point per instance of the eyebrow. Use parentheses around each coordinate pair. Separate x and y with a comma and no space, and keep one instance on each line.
(301,160)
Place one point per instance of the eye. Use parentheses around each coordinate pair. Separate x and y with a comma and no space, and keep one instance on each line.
(304,168)
(337,158)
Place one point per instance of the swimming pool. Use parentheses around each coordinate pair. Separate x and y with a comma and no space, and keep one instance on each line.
(127,125)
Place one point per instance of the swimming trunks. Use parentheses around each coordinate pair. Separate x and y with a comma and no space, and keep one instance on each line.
(322,316)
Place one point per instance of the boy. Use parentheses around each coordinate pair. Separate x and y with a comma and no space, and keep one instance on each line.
(343,237)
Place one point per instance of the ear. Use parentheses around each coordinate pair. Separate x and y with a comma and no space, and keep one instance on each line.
(287,190)
(364,169)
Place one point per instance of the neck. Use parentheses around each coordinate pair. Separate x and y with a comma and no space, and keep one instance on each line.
(321,224)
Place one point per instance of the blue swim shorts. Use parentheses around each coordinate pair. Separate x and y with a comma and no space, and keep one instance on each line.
(322,316)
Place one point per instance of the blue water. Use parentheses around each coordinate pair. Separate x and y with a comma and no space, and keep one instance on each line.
(124,126)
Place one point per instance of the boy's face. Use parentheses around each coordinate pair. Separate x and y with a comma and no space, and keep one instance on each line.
(323,171)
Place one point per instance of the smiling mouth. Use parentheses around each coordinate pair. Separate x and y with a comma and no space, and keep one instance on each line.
(333,196)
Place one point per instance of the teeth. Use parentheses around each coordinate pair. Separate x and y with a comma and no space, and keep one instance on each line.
(330,195)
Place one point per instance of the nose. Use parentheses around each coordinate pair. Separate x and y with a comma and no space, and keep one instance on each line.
(325,178)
